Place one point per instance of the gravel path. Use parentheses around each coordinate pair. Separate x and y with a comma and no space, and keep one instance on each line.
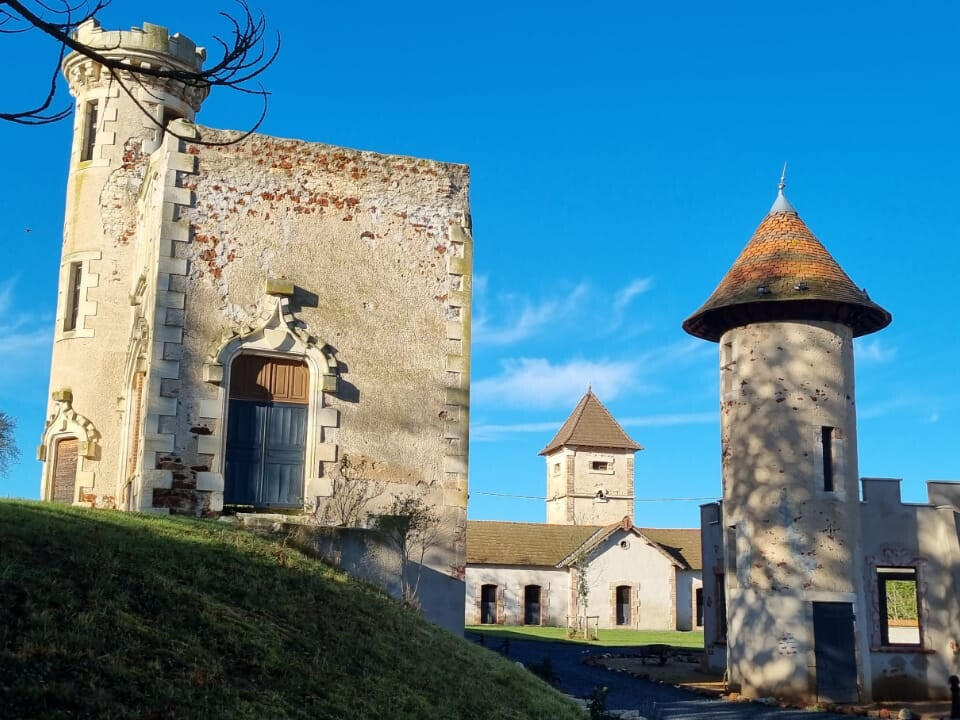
(654,700)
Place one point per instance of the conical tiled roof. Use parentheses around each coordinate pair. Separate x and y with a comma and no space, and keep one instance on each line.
(591,425)
(785,273)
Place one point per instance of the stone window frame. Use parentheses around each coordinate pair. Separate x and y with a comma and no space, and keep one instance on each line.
(610,460)
(896,557)
(85,308)
(106,113)
(273,335)
(65,422)
(634,603)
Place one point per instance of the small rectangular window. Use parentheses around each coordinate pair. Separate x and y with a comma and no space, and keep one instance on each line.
(826,439)
(600,466)
(73,296)
(899,606)
(90,113)
(556,468)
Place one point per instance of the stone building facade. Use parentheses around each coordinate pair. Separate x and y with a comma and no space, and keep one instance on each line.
(524,573)
(235,321)
(796,565)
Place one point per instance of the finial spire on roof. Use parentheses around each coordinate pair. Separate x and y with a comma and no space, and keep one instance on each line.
(781,204)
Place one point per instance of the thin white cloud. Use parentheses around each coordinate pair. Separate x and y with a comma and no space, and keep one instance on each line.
(488,433)
(874,352)
(25,338)
(637,287)
(536,382)
(523,317)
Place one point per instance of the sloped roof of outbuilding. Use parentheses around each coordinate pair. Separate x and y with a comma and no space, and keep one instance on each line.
(513,543)
(785,273)
(682,543)
(591,425)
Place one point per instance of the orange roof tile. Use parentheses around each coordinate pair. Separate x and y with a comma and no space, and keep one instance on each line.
(785,273)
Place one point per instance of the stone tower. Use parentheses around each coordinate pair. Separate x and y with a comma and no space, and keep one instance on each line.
(117,125)
(785,316)
(590,468)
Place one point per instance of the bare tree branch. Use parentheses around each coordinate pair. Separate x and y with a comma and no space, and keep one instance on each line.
(245,56)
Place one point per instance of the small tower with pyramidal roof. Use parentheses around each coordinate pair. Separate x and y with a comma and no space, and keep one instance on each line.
(590,468)
(785,316)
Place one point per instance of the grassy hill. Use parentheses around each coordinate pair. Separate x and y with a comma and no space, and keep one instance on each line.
(113,615)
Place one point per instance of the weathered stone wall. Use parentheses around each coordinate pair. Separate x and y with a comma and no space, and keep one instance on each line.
(99,230)
(643,567)
(511,580)
(572,493)
(794,542)
(927,539)
(687,583)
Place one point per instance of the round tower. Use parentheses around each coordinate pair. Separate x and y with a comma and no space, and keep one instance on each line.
(117,124)
(785,316)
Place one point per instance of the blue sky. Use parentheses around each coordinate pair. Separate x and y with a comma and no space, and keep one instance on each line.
(621,156)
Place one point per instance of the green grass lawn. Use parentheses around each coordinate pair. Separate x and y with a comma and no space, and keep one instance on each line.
(117,615)
(607,637)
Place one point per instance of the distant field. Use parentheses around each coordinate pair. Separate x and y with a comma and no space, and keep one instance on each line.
(607,637)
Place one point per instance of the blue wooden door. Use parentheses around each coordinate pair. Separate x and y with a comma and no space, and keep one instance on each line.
(266,444)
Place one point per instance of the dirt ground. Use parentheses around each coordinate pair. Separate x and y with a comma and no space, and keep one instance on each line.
(675,673)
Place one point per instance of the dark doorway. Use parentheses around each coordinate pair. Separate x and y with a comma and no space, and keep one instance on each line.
(531,605)
(623,605)
(698,604)
(835,651)
(266,432)
(64,470)
(488,605)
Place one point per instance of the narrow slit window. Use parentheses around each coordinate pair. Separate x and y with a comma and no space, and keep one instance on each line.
(556,468)
(899,606)
(721,609)
(90,113)
(73,297)
(826,439)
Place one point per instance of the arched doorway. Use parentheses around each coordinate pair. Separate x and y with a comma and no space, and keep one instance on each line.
(65,460)
(531,605)
(488,605)
(266,432)
(623,605)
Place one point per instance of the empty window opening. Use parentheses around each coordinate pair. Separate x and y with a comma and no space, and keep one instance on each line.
(730,551)
(826,439)
(170,115)
(600,465)
(623,604)
(899,606)
(721,607)
(556,468)
(726,368)
(90,113)
(488,605)
(73,296)
(531,605)
(698,605)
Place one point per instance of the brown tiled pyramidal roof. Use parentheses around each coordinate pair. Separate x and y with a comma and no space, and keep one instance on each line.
(591,425)
(682,543)
(785,273)
(511,543)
